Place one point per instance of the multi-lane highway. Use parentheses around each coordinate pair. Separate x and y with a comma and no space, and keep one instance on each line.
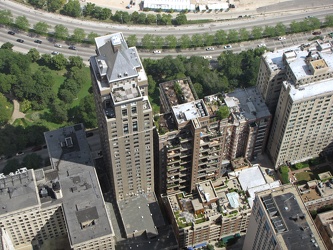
(85,51)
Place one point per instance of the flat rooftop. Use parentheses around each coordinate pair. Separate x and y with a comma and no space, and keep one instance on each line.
(141,213)
(18,191)
(246,104)
(189,111)
(83,204)
(290,219)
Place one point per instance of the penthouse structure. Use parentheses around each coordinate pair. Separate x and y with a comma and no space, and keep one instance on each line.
(197,137)
(124,116)
(279,220)
(63,204)
(302,127)
(215,210)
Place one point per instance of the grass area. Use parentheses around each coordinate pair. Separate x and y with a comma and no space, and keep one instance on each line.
(304,177)
(85,87)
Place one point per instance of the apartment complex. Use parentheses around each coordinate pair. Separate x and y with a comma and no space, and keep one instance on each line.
(302,126)
(195,144)
(279,220)
(214,210)
(62,204)
(324,223)
(124,116)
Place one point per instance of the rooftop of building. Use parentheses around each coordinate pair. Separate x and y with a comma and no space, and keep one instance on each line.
(226,199)
(83,203)
(189,111)
(326,218)
(290,219)
(141,213)
(18,191)
(117,68)
(246,104)
(315,189)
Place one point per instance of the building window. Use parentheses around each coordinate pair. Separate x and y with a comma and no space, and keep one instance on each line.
(134,110)
(124,112)
(135,126)
(125,128)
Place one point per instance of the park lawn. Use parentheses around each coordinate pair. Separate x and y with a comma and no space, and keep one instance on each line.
(85,87)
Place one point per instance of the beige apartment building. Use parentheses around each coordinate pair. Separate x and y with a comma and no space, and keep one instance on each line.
(324,223)
(214,210)
(279,220)
(63,205)
(194,145)
(302,126)
(124,114)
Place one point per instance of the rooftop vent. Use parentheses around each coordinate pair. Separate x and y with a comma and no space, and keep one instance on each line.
(69,142)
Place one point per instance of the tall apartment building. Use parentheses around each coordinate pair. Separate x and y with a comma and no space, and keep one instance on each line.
(279,220)
(193,144)
(302,126)
(213,211)
(124,114)
(324,223)
(61,205)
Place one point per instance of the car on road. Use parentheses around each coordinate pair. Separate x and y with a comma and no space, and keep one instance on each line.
(281,38)
(207,57)
(55,53)
(157,52)
(38,41)
(11,32)
(57,45)
(72,47)
(20,153)
(20,40)
(316,33)
(228,46)
(209,48)
(261,45)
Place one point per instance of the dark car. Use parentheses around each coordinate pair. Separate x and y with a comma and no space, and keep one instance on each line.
(316,33)
(20,40)
(72,47)
(11,32)
(38,41)
(89,134)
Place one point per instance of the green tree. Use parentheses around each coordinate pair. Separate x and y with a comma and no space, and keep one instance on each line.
(11,166)
(54,5)
(256,33)
(33,54)
(198,89)
(181,19)
(184,41)
(314,23)
(5,110)
(22,23)
(105,14)
(85,112)
(151,19)
(132,40)
(134,17)
(208,39)
(222,112)
(142,17)
(78,35)
(233,36)
(243,34)
(166,19)
(158,42)
(59,62)
(151,85)
(66,96)
(295,27)
(32,161)
(328,20)
(41,27)
(197,40)
(7,45)
(171,41)
(75,61)
(269,31)
(38,3)
(60,31)
(91,37)
(72,8)
(89,9)
(280,29)
(59,112)
(147,41)
(221,37)
(5,17)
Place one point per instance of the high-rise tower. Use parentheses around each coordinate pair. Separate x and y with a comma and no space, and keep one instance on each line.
(124,114)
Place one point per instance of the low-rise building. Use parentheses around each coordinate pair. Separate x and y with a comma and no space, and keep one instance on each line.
(324,223)
(215,210)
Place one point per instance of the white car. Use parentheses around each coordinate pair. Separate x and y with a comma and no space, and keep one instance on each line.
(55,53)
(228,46)
(281,38)
(57,45)
(157,52)
(207,57)
(261,45)
(209,48)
